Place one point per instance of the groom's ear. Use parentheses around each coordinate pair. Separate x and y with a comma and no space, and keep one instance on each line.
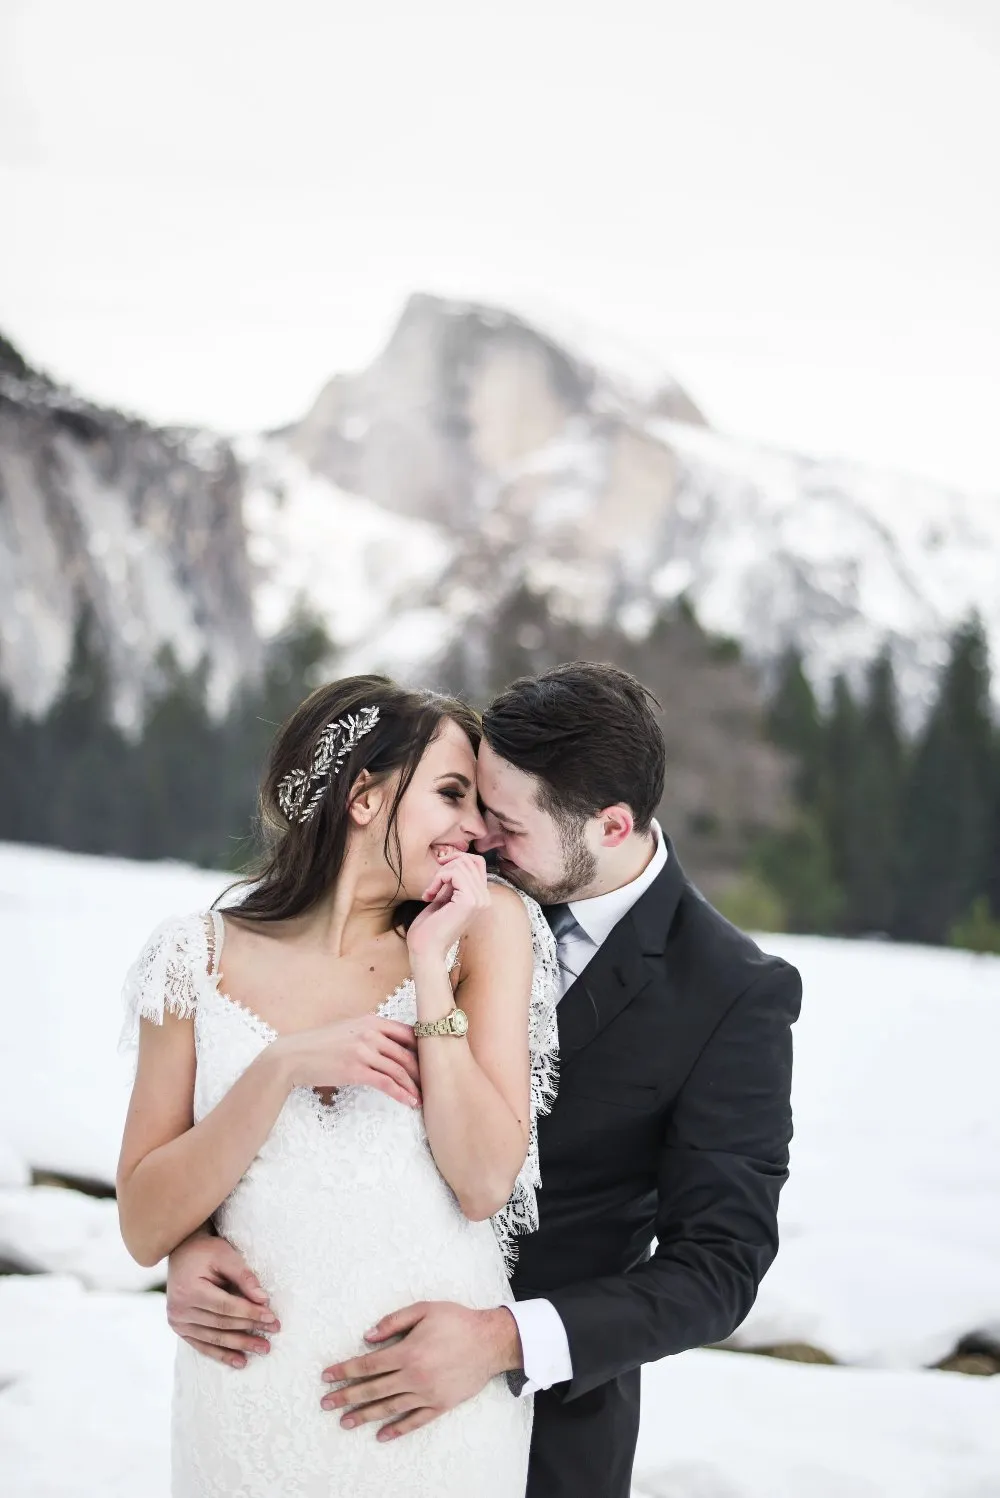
(617,824)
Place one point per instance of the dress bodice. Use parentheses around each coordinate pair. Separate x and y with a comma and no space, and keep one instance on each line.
(179,970)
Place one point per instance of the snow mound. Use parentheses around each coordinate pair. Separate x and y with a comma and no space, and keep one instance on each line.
(84,1392)
(61,1231)
(721,1426)
(13,1170)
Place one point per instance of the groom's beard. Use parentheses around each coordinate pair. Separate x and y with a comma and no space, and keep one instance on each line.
(578,870)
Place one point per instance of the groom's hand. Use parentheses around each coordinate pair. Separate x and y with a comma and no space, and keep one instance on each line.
(447,1354)
(216,1303)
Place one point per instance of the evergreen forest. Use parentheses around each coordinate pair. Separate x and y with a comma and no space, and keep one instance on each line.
(894,835)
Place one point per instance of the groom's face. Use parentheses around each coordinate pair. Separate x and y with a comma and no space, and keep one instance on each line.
(547,858)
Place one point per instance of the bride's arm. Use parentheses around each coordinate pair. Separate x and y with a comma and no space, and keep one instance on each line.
(173,1173)
(476,1090)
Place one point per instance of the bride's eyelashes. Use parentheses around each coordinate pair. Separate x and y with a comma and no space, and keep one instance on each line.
(453,794)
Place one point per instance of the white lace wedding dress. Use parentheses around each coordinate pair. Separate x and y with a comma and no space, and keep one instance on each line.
(344,1217)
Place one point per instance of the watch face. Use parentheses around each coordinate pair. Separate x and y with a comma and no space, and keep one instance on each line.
(460,1022)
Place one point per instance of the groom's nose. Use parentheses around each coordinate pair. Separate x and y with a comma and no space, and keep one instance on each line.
(492,838)
(474,827)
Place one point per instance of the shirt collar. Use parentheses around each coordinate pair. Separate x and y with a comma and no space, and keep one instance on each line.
(599,915)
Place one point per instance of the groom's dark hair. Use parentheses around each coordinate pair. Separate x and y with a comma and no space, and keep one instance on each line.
(590,735)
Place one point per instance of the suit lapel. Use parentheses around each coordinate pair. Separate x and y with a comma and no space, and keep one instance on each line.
(630,959)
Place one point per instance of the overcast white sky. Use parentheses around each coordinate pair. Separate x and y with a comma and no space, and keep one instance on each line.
(209,207)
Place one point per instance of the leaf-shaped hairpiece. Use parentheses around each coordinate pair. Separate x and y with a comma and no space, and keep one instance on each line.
(301,791)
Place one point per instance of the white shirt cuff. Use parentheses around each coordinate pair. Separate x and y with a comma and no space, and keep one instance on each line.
(544,1344)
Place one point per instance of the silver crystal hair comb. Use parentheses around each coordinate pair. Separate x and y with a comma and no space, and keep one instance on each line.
(301,791)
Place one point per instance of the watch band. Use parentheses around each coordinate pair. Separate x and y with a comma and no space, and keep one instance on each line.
(456,1023)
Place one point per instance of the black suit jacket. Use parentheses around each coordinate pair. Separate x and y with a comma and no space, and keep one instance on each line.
(672,1122)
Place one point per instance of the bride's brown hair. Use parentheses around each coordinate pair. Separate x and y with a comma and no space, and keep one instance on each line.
(300,861)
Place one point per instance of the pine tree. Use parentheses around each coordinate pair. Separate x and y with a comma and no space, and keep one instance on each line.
(841,810)
(178,811)
(945,835)
(16,764)
(793,722)
(875,801)
(991,880)
(979,931)
(83,796)
(796,865)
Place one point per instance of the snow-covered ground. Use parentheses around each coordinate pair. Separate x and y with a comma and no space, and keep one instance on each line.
(86,1414)
(891,1225)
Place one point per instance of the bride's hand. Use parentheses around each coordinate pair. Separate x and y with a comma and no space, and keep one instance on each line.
(366,1052)
(455,897)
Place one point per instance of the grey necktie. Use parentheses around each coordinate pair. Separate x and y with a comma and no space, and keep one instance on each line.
(562,920)
(563,924)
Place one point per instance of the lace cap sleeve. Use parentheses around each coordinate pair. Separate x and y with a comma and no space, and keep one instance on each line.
(520,1215)
(167,974)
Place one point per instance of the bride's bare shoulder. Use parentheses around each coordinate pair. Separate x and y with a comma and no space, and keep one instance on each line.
(502,932)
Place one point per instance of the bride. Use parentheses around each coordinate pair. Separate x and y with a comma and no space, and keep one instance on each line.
(360,1150)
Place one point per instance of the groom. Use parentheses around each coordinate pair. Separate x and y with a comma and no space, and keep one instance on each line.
(672,1121)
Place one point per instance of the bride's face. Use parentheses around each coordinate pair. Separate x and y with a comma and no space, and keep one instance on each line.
(439,812)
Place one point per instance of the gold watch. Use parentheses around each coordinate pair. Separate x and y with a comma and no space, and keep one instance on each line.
(455,1023)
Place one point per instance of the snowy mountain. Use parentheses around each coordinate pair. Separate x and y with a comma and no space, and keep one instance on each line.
(841,560)
(480,459)
(139,527)
(611,497)
(352,562)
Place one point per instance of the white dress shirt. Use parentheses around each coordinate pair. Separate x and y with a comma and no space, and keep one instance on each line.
(544,1343)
